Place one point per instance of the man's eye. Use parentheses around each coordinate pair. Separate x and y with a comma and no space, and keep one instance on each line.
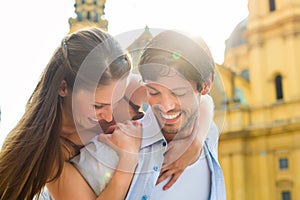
(178,94)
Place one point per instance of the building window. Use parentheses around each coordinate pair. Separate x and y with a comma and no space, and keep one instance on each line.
(95,17)
(88,16)
(79,16)
(283,163)
(272,5)
(239,96)
(286,195)
(278,86)
(245,74)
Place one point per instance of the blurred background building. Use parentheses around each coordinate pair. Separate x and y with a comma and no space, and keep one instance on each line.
(259,148)
(258,109)
(88,13)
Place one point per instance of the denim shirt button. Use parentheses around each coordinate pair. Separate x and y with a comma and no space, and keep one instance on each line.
(144,197)
(155,168)
(164,143)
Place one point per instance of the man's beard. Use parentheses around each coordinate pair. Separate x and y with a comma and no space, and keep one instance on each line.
(189,122)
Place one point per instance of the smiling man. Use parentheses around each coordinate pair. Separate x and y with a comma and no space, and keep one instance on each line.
(175,104)
(178,70)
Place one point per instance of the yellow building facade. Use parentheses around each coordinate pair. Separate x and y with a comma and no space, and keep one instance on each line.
(259,147)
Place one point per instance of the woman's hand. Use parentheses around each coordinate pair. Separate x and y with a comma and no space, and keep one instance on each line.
(126,141)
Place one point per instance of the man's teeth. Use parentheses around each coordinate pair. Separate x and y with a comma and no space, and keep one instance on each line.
(173,116)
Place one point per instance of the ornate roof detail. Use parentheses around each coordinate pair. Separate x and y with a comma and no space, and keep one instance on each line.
(237,36)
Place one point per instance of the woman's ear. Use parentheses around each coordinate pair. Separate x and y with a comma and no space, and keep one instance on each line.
(63,89)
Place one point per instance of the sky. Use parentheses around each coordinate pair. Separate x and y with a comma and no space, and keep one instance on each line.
(31,30)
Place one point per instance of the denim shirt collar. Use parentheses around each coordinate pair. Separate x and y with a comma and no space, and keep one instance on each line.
(151,129)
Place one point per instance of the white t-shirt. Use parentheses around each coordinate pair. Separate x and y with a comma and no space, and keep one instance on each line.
(194,183)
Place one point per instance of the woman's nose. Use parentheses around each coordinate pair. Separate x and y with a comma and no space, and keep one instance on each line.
(106,115)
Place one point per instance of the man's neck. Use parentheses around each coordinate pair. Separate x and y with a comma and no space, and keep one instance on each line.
(169,136)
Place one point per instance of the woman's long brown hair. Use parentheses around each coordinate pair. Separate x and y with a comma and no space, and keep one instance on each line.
(31,154)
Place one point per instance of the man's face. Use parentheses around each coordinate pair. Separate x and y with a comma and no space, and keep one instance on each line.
(175,102)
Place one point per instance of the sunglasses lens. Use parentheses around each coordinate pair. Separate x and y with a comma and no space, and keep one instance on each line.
(138,116)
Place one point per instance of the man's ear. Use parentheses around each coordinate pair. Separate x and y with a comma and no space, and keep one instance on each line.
(206,86)
(63,89)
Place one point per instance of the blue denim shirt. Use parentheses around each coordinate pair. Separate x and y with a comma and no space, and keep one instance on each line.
(218,191)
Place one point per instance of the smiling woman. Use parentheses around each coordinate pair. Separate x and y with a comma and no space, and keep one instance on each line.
(95,106)
(73,94)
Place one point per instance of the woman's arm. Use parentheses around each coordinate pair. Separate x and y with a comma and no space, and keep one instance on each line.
(71,185)
(126,142)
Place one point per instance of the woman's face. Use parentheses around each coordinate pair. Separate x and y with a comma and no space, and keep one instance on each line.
(89,107)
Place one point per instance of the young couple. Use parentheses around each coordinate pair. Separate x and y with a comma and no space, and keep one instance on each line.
(87,89)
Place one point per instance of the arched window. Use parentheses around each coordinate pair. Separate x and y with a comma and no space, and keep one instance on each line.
(95,16)
(286,195)
(272,5)
(79,16)
(88,16)
(278,87)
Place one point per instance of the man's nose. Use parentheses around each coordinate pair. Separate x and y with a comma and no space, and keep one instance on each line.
(167,103)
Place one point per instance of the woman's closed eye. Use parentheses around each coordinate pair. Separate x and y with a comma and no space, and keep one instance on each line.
(152,91)
(98,106)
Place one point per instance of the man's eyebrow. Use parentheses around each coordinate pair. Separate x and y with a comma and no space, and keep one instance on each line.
(173,89)
(182,88)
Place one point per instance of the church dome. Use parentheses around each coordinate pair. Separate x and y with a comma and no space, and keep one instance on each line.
(237,36)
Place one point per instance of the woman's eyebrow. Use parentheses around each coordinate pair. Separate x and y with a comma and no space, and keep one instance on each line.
(151,87)
(103,104)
